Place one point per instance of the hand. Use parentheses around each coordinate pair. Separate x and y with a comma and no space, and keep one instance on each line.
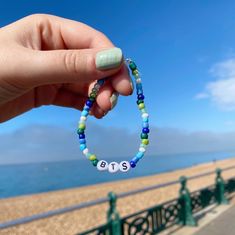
(47,60)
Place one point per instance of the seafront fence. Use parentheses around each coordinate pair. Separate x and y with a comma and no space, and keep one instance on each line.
(155,219)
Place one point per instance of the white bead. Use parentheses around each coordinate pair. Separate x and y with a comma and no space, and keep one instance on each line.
(83,118)
(113,167)
(85,151)
(138,80)
(141,149)
(145,115)
(124,166)
(102,165)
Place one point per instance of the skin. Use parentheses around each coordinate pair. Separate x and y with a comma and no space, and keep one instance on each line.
(48,60)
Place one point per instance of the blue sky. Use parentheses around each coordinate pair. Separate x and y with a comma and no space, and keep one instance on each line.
(185,51)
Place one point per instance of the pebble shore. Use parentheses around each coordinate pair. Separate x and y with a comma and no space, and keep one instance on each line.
(78,221)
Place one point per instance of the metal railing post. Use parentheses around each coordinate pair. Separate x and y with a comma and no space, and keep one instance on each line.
(219,188)
(113,217)
(185,214)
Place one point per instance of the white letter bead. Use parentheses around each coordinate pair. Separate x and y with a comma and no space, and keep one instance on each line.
(124,166)
(113,167)
(102,165)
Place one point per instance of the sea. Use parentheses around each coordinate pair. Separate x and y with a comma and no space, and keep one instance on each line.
(32,178)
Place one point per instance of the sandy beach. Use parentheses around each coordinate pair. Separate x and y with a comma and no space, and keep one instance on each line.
(78,221)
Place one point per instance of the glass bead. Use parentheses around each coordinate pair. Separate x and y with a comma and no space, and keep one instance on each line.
(145,130)
(92,157)
(92,98)
(89,103)
(94,162)
(97,86)
(82,147)
(101,82)
(82,136)
(135,72)
(85,113)
(82,141)
(138,81)
(82,126)
(145,116)
(139,155)
(143,145)
(139,101)
(80,131)
(140,97)
(145,141)
(87,108)
(133,164)
(94,90)
(145,124)
(141,149)
(141,106)
(85,151)
(93,95)
(83,118)
(144,136)
(132,66)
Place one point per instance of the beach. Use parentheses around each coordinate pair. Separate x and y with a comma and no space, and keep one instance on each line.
(81,220)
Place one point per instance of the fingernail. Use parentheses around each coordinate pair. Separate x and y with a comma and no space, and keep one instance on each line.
(114,99)
(109,58)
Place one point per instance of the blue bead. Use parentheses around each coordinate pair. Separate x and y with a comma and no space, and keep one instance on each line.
(145,130)
(145,124)
(140,97)
(82,147)
(133,164)
(138,86)
(139,92)
(87,108)
(85,113)
(101,82)
(89,103)
(82,141)
(135,159)
(81,136)
(139,155)
(145,119)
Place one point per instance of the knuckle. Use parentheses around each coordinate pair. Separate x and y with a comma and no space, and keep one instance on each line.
(71,62)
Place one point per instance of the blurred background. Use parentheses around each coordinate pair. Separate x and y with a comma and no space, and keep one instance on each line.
(185,51)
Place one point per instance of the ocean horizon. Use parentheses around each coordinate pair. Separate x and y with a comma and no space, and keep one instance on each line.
(32,178)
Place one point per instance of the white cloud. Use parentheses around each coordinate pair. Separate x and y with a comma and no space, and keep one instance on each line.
(221,91)
(37,143)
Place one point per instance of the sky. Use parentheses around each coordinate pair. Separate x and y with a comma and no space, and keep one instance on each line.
(185,51)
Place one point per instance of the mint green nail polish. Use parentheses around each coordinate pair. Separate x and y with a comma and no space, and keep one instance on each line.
(109,58)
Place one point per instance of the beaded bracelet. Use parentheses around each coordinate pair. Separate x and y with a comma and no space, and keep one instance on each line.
(123,166)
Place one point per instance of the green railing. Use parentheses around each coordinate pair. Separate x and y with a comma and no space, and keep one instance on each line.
(160,217)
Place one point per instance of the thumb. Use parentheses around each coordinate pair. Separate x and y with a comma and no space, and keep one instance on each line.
(65,66)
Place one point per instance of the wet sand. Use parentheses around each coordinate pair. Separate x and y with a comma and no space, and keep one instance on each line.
(78,221)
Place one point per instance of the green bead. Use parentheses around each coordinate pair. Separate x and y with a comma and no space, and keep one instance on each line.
(94,162)
(139,101)
(82,126)
(144,136)
(135,72)
(92,98)
(145,141)
(132,65)
(94,90)
(93,95)
(80,131)
(141,106)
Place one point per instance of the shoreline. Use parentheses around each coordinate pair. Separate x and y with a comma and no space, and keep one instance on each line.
(104,182)
(78,221)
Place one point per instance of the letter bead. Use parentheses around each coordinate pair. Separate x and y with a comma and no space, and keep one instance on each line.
(113,167)
(102,165)
(124,166)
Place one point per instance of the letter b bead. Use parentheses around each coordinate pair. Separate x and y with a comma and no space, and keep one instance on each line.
(102,165)
(124,166)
